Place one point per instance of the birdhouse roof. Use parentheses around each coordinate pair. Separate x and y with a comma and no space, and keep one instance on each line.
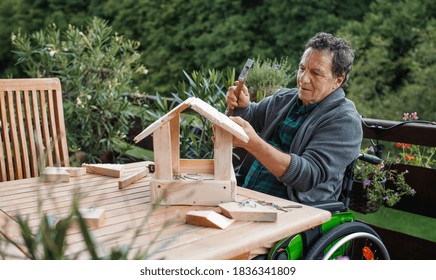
(202,108)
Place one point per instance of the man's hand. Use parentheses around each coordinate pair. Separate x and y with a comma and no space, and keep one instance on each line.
(253,138)
(237,102)
(274,160)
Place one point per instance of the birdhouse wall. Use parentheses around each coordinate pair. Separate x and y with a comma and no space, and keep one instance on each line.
(223,154)
(163,154)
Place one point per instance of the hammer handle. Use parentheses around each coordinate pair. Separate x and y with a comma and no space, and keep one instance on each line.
(237,92)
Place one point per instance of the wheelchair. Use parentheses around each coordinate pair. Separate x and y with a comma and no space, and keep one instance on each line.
(343,237)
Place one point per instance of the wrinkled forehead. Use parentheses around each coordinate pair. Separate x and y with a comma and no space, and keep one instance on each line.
(322,59)
(325,54)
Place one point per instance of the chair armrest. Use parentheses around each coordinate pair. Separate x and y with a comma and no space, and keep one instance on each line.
(329,205)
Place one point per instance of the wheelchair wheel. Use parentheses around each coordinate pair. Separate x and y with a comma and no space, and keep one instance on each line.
(351,240)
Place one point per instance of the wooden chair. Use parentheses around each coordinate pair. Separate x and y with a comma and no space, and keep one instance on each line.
(32,127)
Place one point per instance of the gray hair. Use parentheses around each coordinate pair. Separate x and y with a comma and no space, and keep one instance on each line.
(343,54)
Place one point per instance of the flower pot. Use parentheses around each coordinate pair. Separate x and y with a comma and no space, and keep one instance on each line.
(359,202)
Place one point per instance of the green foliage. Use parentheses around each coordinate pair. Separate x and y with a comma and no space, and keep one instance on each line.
(178,35)
(267,76)
(30,16)
(96,68)
(395,59)
(374,177)
(394,40)
(415,155)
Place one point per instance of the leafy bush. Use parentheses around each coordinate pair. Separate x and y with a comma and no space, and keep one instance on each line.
(96,67)
(267,76)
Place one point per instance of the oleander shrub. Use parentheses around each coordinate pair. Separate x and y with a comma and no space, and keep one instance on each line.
(96,67)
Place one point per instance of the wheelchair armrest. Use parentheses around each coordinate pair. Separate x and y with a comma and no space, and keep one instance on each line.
(329,205)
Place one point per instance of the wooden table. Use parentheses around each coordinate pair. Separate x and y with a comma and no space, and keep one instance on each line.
(128,213)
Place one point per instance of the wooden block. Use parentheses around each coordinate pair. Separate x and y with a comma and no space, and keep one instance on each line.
(253,212)
(75,171)
(94,217)
(208,218)
(55,174)
(105,169)
(133,178)
(192,192)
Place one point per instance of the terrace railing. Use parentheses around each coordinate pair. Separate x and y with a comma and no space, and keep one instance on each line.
(423,179)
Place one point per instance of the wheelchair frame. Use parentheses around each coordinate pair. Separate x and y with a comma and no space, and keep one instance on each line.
(342,237)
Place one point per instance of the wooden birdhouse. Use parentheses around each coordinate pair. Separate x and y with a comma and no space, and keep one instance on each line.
(192,181)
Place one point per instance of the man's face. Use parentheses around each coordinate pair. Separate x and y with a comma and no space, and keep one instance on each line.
(315,79)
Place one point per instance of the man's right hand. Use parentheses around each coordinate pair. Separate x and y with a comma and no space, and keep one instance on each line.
(233,101)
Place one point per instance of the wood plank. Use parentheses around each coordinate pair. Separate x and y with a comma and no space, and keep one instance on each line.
(74,171)
(208,218)
(6,138)
(105,169)
(218,118)
(33,156)
(22,144)
(223,154)
(53,128)
(132,178)
(163,158)
(94,217)
(252,211)
(47,155)
(16,157)
(54,174)
(202,166)
(60,124)
(191,192)
(39,160)
(175,143)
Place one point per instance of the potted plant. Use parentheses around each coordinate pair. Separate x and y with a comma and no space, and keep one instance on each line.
(370,188)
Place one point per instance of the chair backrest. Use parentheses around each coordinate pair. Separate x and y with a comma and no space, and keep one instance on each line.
(32,127)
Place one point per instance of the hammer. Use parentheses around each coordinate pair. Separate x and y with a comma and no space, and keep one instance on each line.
(241,81)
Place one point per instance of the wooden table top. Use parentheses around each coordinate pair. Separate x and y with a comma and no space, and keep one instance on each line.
(130,218)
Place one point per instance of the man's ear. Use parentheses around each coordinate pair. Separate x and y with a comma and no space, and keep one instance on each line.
(338,82)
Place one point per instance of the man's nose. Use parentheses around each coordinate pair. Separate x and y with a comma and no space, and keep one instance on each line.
(304,77)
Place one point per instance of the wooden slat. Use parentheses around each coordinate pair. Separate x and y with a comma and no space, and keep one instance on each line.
(175,143)
(39,157)
(162,152)
(197,165)
(3,127)
(22,136)
(14,137)
(45,128)
(132,178)
(30,135)
(60,125)
(223,154)
(6,137)
(53,127)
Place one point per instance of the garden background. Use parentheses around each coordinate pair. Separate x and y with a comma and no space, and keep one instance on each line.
(113,56)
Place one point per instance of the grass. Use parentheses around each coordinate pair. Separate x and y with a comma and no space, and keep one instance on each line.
(408,223)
